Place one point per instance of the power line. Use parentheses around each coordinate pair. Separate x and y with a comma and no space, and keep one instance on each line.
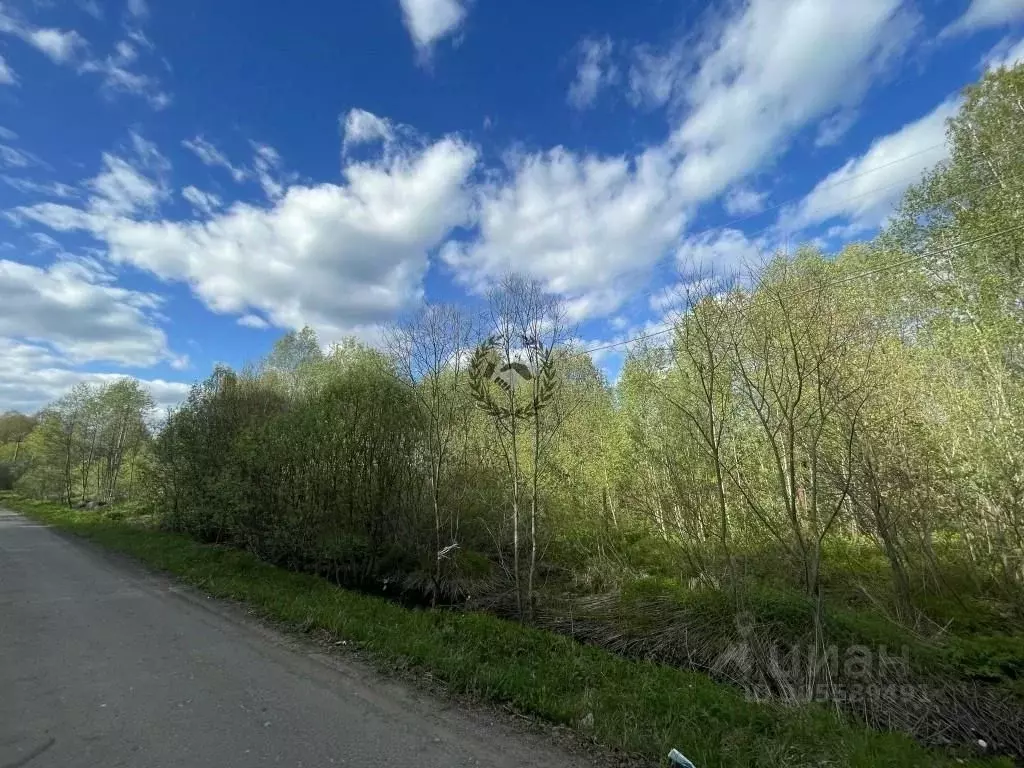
(840,281)
(982,188)
(751,235)
(836,184)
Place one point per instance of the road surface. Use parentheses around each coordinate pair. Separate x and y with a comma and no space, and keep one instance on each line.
(104,664)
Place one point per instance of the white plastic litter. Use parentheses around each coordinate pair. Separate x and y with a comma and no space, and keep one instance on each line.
(677,758)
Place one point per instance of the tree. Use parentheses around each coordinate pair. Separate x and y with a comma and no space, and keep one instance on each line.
(293,352)
(702,388)
(802,358)
(514,381)
(965,224)
(14,428)
(124,406)
(431,351)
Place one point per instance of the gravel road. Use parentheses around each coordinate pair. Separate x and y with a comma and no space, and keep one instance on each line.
(105,664)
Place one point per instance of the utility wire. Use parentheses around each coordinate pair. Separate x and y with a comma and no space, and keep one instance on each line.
(751,235)
(835,184)
(652,334)
(840,281)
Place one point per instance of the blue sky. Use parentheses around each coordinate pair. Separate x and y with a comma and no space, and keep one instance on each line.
(182,182)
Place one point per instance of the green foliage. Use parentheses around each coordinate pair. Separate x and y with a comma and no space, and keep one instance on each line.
(638,707)
(89,444)
(834,447)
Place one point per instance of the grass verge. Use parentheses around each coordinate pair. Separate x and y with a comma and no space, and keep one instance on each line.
(633,706)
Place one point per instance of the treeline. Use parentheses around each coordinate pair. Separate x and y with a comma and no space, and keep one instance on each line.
(88,446)
(848,426)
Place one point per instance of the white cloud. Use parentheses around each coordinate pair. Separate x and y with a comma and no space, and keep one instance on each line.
(983,14)
(340,257)
(42,188)
(124,187)
(34,375)
(45,243)
(431,20)
(60,46)
(213,157)
(653,77)
(267,167)
(864,191)
(68,47)
(138,8)
(748,85)
(594,71)
(1006,54)
(205,203)
(17,158)
(75,306)
(590,228)
(118,77)
(737,93)
(7,76)
(362,127)
(253,321)
(833,128)
(721,252)
(264,170)
(743,201)
(7,134)
(91,7)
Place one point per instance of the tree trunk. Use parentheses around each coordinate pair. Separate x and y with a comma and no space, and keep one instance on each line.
(515,516)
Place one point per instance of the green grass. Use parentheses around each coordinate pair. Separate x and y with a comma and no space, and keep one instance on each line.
(638,707)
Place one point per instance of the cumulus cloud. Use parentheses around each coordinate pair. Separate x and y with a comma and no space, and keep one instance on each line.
(76,307)
(34,375)
(361,127)
(61,46)
(127,186)
(770,71)
(745,84)
(341,257)
(594,71)
(253,321)
(864,191)
(721,252)
(984,14)
(590,228)
(743,201)
(431,20)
